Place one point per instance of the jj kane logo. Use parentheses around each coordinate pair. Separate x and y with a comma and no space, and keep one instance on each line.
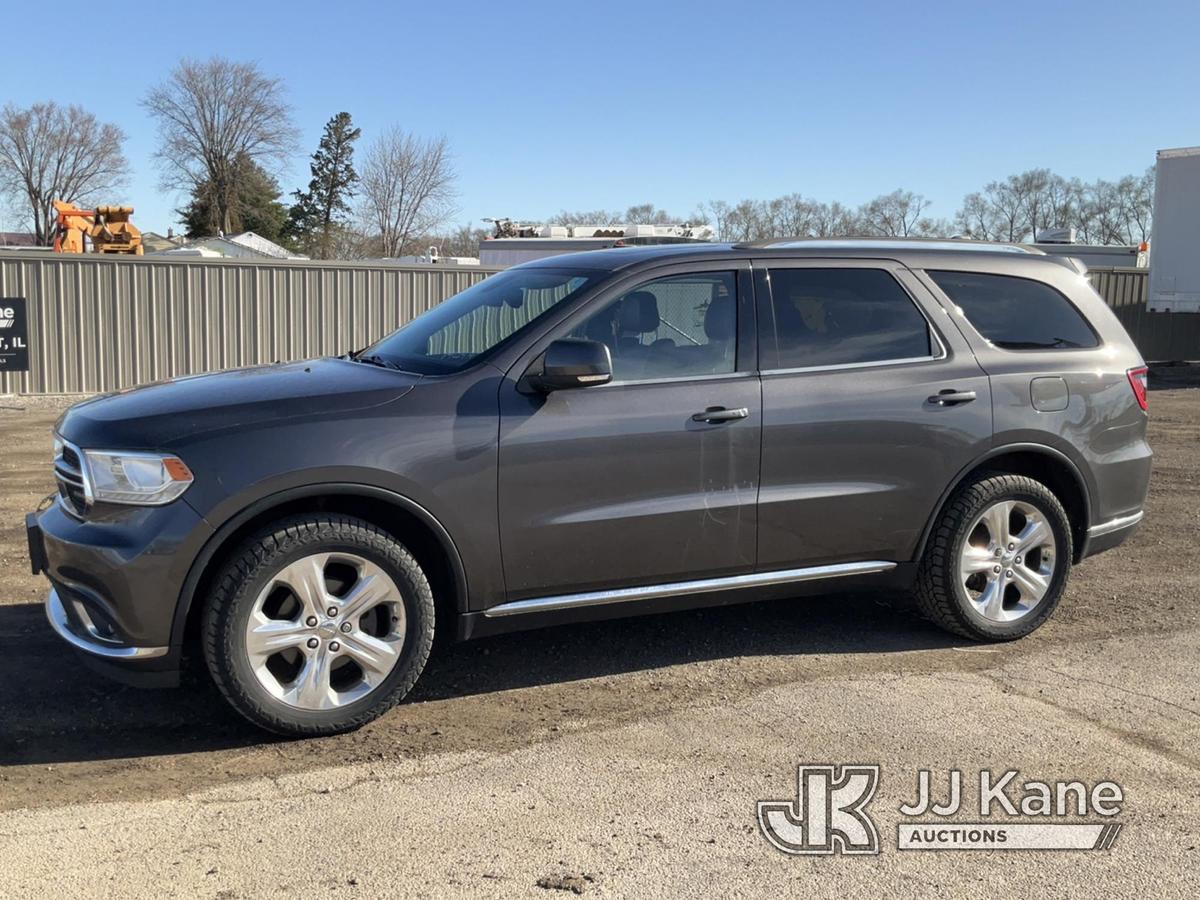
(829,814)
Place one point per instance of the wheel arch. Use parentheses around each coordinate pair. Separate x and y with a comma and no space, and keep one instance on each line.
(1046,464)
(421,532)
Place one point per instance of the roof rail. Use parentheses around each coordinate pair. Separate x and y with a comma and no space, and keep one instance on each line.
(887,243)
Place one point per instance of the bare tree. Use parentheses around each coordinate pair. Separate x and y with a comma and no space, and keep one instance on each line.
(718,211)
(898,214)
(648,214)
(49,152)
(834,220)
(1136,198)
(1020,206)
(211,114)
(1000,212)
(461,241)
(407,189)
(587,217)
(789,216)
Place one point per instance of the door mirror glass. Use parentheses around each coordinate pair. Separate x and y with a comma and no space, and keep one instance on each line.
(573,363)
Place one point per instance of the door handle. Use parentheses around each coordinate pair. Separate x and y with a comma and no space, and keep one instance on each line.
(951,397)
(720,414)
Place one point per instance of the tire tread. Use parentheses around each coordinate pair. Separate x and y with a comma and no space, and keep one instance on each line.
(247,564)
(935,590)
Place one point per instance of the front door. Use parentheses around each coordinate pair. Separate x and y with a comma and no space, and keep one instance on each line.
(652,478)
(856,454)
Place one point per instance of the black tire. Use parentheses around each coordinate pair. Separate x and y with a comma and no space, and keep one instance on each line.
(250,570)
(940,594)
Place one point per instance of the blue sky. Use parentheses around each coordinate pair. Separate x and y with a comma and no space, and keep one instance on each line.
(581,105)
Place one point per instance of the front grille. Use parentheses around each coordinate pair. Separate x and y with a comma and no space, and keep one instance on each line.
(71,457)
(68,472)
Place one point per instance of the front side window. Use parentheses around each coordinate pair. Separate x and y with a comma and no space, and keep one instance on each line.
(676,327)
(456,333)
(837,317)
(1016,313)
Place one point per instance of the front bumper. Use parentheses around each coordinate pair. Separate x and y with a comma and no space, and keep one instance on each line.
(115,582)
(80,630)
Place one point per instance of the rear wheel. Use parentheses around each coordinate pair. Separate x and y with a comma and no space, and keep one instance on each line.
(998,561)
(318,625)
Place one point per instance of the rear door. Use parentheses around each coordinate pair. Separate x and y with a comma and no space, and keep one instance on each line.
(872,401)
(628,484)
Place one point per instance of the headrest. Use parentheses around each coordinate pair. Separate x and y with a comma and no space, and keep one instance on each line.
(720,319)
(639,313)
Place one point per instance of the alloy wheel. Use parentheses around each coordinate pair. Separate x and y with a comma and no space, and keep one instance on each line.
(327,630)
(1008,560)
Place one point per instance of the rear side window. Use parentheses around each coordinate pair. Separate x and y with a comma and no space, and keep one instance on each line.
(1016,313)
(836,317)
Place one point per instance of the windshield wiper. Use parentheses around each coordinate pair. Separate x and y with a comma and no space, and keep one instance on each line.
(376,360)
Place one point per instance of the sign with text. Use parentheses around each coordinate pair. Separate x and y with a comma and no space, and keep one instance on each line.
(14,335)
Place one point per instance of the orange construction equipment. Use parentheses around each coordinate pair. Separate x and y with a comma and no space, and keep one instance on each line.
(108,227)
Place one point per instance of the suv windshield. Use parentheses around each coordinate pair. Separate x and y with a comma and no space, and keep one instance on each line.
(456,333)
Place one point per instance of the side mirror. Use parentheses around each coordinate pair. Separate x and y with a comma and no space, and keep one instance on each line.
(572,363)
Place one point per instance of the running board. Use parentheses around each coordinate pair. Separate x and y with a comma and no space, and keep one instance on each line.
(703,586)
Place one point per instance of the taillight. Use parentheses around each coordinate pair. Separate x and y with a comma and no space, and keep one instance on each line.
(1138,380)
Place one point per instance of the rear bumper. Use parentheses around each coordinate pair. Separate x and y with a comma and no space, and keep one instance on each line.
(1110,534)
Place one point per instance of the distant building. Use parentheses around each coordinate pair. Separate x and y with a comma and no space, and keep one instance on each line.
(433,256)
(261,245)
(1098,255)
(1061,242)
(153,242)
(513,243)
(18,239)
(246,245)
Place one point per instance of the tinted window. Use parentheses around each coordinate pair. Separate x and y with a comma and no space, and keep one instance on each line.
(676,327)
(1016,313)
(833,317)
(455,333)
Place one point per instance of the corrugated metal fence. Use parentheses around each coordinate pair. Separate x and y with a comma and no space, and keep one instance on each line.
(98,323)
(1161,337)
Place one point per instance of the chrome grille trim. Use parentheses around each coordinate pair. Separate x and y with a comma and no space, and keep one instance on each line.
(70,473)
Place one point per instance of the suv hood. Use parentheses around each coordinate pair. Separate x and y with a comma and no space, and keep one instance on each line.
(155,415)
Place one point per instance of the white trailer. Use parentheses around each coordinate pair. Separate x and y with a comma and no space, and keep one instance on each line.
(1175,245)
(514,243)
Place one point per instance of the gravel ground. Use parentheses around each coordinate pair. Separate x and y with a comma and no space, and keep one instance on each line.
(619,758)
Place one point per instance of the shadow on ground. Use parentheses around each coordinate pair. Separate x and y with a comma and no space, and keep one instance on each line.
(57,710)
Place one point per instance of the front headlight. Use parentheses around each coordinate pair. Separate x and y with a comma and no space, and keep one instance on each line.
(141,479)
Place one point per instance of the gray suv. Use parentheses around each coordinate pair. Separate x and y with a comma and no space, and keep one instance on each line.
(603,434)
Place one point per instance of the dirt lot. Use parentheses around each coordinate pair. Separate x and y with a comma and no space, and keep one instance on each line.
(621,758)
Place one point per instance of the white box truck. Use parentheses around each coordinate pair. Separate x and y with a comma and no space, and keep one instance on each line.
(1175,243)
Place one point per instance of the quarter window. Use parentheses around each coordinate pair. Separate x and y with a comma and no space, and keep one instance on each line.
(677,327)
(1016,313)
(836,317)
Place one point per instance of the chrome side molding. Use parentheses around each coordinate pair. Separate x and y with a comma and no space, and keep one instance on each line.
(1115,524)
(702,586)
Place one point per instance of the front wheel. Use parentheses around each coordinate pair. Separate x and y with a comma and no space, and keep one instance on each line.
(318,625)
(998,560)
